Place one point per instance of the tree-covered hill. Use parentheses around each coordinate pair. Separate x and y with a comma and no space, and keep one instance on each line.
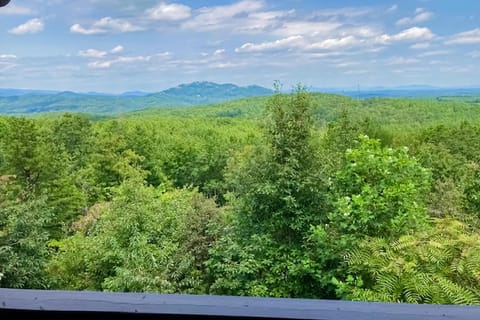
(293,195)
(394,112)
(196,93)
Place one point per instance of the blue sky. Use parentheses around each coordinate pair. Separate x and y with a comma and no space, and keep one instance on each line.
(150,45)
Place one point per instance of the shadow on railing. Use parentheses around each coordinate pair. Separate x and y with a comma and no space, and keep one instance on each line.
(45,304)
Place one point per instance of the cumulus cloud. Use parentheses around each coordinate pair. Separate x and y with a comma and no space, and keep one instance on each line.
(335,43)
(31,26)
(307,28)
(467,37)
(401,61)
(345,12)
(315,39)
(280,44)
(414,33)
(117,49)
(420,45)
(411,34)
(434,53)
(102,64)
(420,16)
(258,22)
(393,8)
(169,12)
(92,53)
(106,25)
(216,17)
(7,56)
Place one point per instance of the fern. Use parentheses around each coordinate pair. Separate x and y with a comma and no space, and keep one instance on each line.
(439,265)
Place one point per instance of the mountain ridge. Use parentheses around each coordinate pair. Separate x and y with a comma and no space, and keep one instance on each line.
(23,101)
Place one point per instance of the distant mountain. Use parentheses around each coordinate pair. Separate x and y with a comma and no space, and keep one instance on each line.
(14,101)
(135,94)
(410,91)
(218,91)
(7,92)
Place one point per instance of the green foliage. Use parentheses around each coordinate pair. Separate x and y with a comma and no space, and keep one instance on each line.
(379,192)
(197,200)
(23,249)
(41,167)
(74,133)
(472,191)
(437,265)
(144,240)
(276,197)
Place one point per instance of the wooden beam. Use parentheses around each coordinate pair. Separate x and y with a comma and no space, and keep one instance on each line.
(95,305)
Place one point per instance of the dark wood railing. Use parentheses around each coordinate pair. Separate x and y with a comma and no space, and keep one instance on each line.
(45,304)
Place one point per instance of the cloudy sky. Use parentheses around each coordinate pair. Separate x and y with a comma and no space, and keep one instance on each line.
(150,45)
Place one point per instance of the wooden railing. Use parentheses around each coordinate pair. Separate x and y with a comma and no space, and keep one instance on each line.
(45,304)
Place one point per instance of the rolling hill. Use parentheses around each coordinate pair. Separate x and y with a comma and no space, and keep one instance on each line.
(16,102)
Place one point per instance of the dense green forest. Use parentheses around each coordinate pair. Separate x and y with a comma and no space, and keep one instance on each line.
(293,195)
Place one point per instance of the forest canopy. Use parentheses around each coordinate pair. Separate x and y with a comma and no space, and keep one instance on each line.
(293,195)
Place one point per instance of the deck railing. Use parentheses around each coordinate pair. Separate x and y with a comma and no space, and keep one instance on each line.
(45,304)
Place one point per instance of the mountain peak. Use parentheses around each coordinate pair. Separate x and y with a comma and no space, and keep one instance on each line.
(216,90)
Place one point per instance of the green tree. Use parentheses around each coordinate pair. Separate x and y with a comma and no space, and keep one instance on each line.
(277,194)
(41,167)
(23,243)
(378,192)
(436,265)
(144,240)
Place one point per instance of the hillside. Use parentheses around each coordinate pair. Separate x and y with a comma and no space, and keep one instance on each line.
(327,107)
(196,93)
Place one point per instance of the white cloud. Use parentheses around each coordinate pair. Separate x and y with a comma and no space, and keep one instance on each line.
(211,18)
(163,54)
(434,53)
(346,12)
(14,9)
(7,56)
(411,34)
(92,53)
(400,61)
(316,37)
(280,44)
(76,28)
(169,12)
(420,16)
(31,26)
(102,64)
(219,52)
(355,72)
(393,8)
(257,22)
(307,28)
(335,43)
(420,45)
(467,37)
(223,65)
(270,15)
(361,31)
(117,49)
(347,64)
(106,25)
